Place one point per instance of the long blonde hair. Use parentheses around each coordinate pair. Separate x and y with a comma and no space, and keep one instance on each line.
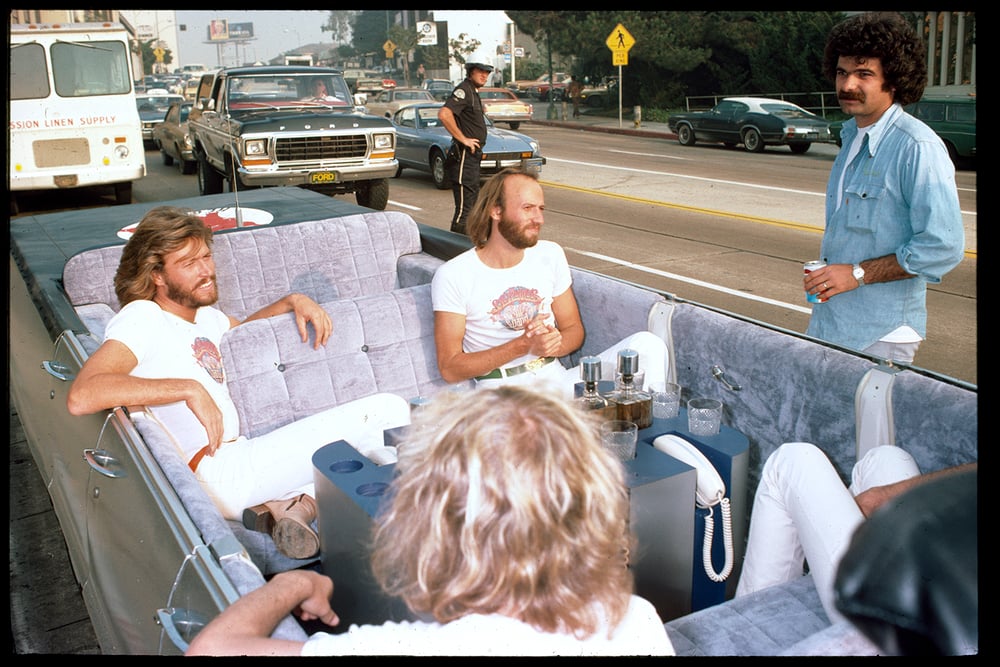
(505,502)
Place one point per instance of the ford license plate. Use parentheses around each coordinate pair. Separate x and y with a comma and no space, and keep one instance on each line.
(320,177)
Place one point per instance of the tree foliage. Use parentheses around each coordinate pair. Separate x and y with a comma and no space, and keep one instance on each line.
(679,54)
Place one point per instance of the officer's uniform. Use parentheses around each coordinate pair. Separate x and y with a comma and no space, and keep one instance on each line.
(463,165)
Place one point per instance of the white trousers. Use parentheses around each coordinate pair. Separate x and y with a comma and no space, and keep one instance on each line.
(652,360)
(278,465)
(802,510)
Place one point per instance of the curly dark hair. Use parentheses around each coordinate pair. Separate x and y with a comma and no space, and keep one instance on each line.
(888,37)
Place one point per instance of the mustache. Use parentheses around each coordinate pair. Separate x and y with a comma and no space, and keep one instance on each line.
(850,96)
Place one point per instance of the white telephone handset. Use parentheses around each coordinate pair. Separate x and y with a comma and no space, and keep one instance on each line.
(709,491)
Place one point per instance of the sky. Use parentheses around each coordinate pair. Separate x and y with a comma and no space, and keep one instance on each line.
(274,33)
(278,31)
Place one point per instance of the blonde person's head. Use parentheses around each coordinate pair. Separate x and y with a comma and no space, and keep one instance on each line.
(505,502)
(479,226)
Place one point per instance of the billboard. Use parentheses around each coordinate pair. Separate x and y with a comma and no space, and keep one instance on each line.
(218,30)
(241,31)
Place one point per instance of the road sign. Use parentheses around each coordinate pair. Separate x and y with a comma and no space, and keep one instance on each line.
(620,39)
(159,53)
(389,47)
(619,57)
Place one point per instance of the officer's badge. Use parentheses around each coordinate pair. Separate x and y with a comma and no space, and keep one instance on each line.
(459,93)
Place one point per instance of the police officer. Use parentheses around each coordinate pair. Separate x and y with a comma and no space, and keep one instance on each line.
(462,115)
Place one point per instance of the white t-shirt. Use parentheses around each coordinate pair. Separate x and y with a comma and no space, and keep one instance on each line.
(641,632)
(167,346)
(499,303)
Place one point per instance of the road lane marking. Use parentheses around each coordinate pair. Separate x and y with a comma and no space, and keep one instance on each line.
(693,281)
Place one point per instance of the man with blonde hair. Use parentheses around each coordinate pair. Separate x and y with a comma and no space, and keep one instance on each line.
(506,532)
(504,310)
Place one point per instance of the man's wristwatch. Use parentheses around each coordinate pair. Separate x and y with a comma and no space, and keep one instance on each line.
(859,274)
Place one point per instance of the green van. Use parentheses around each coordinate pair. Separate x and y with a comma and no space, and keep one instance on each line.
(954,119)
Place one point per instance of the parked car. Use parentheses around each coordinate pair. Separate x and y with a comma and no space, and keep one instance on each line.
(422,143)
(545,90)
(391,100)
(954,120)
(521,86)
(439,88)
(171,136)
(598,95)
(152,108)
(755,122)
(502,106)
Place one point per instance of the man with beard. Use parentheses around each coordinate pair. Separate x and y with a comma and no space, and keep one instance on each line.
(160,358)
(893,222)
(504,310)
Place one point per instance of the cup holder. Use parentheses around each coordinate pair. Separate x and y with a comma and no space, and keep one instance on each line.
(346,466)
(372,489)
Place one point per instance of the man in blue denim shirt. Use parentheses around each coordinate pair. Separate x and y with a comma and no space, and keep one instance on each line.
(893,222)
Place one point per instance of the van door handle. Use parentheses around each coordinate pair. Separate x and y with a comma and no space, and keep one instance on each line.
(720,375)
(58,370)
(102,462)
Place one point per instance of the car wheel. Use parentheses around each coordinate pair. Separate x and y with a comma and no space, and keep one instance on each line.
(800,148)
(439,174)
(209,180)
(752,141)
(167,159)
(373,194)
(514,126)
(685,135)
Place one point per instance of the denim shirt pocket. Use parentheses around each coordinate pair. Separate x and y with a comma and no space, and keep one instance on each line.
(865,202)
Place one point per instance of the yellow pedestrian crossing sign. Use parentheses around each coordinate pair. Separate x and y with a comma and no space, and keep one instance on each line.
(389,47)
(620,41)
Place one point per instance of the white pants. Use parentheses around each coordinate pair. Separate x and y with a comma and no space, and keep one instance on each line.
(802,510)
(278,465)
(652,360)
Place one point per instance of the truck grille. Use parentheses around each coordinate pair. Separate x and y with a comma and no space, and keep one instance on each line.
(335,147)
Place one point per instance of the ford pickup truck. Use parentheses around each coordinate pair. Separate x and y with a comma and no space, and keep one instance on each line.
(289,125)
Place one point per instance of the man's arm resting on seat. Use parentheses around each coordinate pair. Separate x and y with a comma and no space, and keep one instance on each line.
(875,497)
(104,383)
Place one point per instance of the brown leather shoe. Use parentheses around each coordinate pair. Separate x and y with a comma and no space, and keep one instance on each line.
(288,522)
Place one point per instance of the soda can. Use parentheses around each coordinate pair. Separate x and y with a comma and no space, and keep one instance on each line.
(807,268)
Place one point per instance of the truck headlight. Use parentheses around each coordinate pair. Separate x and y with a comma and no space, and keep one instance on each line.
(255,148)
(384,146)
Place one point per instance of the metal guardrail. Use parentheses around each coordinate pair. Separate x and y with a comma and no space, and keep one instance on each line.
(819,103)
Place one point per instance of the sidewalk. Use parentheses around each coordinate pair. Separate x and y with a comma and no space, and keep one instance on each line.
(593,122)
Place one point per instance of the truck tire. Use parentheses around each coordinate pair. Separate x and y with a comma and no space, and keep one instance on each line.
(373,194)
(209,180)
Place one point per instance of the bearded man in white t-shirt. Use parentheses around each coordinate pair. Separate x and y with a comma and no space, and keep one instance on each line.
(504,310)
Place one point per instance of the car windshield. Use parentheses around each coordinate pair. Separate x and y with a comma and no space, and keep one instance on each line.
(154,103)
(495,95)
(786,110)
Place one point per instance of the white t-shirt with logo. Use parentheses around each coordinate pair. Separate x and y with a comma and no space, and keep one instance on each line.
(167,346)
(499,303)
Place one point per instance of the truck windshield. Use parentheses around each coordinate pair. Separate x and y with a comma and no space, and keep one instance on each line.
(79,69)
(283,90)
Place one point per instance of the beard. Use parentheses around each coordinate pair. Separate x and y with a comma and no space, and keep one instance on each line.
(188,298)
(517,236)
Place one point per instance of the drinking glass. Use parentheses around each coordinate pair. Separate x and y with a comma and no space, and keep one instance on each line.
(704,416)
(619,437)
